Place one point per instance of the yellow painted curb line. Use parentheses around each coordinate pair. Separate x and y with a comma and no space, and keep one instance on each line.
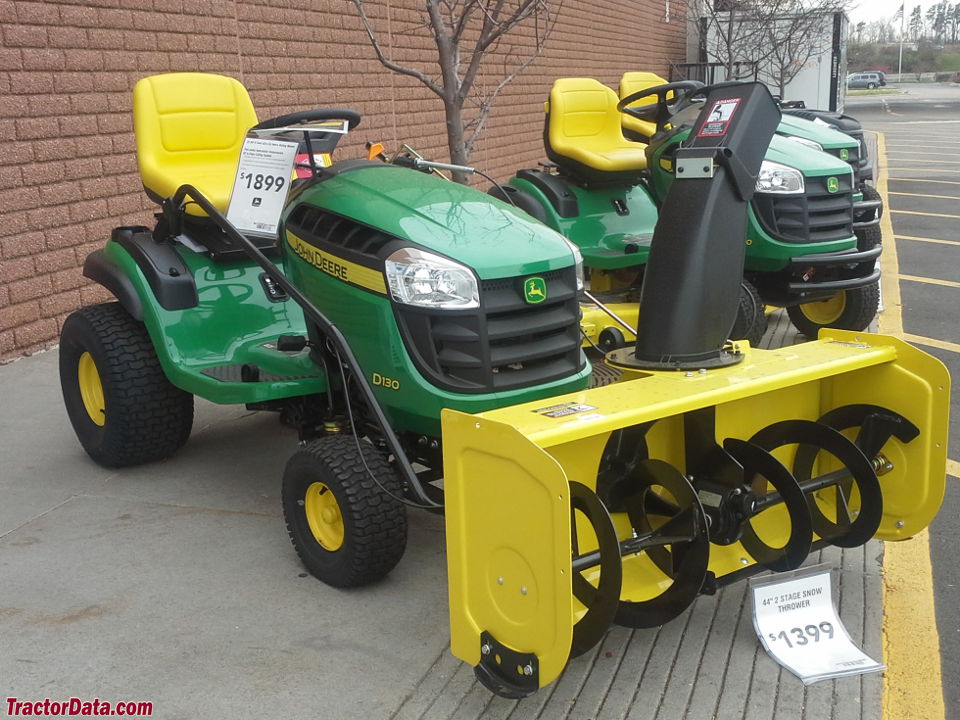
(889,322)
(912,683)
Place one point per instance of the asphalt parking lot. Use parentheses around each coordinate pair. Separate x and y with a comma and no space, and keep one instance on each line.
(919,132)
(175,583)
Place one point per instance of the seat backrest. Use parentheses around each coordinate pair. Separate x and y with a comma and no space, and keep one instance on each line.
(583,136)
(630,83)
(189,129)
(583,112)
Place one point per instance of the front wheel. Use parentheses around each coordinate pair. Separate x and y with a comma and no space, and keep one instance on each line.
(846,310)
(120,403)
(343,511)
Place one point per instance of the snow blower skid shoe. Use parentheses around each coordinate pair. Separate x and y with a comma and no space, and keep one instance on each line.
(704,464)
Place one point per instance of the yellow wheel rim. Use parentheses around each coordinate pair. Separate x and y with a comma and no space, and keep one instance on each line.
(91,389)
(824,312)
(323,516)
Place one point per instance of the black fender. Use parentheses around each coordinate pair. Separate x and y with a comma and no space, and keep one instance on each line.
(104,272)
(520,200)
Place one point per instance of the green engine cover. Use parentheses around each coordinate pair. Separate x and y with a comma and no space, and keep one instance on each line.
(336,235)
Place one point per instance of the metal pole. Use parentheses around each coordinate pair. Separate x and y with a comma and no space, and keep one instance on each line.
(903,16)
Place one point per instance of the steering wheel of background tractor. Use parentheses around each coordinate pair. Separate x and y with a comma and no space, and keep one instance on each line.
(308,116)
(665,108)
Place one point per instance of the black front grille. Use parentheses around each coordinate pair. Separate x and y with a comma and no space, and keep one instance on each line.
(816,216)
(319,226)
(853,159)
(505,344)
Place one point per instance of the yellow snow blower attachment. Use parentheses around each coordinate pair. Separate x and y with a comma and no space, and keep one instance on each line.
(707,461)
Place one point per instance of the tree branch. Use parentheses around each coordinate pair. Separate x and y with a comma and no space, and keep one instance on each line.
(387,62)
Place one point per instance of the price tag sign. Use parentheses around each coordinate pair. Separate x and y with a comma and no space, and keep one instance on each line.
(797,622)
(260,188)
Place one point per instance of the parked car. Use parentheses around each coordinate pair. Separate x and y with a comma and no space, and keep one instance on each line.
(869,80)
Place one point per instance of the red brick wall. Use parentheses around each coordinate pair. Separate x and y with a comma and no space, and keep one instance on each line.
(67,166)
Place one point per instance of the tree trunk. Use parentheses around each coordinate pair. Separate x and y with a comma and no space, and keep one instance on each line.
(458,148)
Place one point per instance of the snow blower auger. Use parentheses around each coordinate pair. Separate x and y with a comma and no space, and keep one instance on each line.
(708,462)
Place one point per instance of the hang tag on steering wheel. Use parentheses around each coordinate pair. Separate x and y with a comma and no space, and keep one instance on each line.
(261,185)
(796,619)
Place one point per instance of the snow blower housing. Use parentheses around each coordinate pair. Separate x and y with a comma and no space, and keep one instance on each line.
(627,501)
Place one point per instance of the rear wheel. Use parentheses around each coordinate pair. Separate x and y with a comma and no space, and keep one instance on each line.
(120,403)
(343,511)
(846,310)
(751,322)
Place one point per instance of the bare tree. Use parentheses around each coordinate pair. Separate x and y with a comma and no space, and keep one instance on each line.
(793,40)
(778,37)
(729,34)
(465,33)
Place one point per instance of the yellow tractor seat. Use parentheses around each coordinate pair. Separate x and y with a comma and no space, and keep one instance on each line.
(582,134)
(631,82)
(189,129)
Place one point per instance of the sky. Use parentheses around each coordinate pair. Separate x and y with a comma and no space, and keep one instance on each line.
(870,10)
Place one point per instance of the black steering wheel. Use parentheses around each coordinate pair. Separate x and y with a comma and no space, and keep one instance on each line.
(665,108)
(305,117)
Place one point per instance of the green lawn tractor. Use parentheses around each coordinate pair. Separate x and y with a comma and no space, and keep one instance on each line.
(603,191)
(833,133)
(423,339)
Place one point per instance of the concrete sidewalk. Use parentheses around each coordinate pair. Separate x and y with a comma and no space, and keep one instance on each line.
(175,583)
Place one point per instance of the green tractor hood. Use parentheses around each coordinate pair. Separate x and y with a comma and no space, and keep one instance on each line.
(493,238)
(812,163)
(828,138)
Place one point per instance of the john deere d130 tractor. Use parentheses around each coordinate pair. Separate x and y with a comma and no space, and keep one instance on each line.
(399,321)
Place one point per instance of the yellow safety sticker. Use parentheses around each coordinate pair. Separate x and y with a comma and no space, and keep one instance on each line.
(564,409)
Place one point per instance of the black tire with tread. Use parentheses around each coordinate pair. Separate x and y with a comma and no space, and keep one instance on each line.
(868,237)
(751,322)
(860,309)
(871,193)
(146,417)
(375,524)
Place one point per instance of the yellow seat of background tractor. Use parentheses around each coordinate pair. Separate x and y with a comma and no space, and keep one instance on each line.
(189,129)
(631,82)
(583,132)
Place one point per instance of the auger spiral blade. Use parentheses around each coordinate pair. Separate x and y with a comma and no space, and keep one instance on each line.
(761,469)
(876,425)
(671,529)
(856,515)
(601,600)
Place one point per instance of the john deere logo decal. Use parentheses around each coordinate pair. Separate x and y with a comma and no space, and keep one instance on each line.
(844,154)
(832,184)
(535,290)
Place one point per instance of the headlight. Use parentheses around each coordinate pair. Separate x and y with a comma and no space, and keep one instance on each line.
(803,141)
(417,277)
(781,179)
(578,260)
